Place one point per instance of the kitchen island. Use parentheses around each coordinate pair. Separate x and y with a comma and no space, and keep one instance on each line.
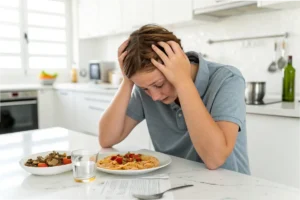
(18,184)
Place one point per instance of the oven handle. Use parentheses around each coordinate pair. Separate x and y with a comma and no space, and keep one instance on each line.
(18,103)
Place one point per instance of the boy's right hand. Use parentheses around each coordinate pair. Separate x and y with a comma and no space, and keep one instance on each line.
(121,56)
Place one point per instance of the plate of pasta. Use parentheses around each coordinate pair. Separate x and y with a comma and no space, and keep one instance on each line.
(132,163)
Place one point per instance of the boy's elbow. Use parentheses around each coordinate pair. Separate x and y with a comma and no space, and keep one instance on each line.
(215,164)
(103,143)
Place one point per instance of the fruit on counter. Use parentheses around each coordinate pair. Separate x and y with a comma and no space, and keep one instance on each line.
(45,75)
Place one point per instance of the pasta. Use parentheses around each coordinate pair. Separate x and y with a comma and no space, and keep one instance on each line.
(129,161)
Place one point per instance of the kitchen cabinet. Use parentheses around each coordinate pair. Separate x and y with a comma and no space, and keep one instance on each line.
(46,108)
(65,106)
(279,5)
(172,11)
(90,107)
(136,13)
(98,18)
(273,148)
(88,16)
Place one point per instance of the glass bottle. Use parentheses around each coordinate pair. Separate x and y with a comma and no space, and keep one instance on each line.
(288,83)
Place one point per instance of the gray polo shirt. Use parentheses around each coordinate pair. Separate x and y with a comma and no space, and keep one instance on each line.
(221,88)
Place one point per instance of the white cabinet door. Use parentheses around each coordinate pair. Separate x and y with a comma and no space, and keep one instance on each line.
(273,148)
(98,17)
(172,11)
(46,108)
(89,108)
(65,109)
(87,18)
(144,13)
(136,13)
(109,16)
(279,4)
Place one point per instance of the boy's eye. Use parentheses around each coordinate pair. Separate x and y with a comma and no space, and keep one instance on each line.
(159,86)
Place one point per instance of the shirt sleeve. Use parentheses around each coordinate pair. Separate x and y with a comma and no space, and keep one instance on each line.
(135,108)
(229,104)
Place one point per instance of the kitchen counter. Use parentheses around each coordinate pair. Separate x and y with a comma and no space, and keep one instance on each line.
(285,109)
(23,87)
(278,109)
(82,87)
(15,183)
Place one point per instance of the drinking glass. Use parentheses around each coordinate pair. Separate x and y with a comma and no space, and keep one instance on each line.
(84,165)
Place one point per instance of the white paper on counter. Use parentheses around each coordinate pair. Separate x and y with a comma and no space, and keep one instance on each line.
(124,188)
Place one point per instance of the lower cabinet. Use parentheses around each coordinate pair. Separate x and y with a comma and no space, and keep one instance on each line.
(46,108)
(273,148)
(90,107)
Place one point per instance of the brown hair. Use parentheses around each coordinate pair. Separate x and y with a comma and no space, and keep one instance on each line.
(140,51)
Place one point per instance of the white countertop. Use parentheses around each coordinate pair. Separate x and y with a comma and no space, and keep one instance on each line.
(15,183)
(285,109)
(22,87)
(82,87)
(277,109)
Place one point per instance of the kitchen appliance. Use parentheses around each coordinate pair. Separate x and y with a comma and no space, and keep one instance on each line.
(255,92)
(19,111)
(225,8)
(98,70)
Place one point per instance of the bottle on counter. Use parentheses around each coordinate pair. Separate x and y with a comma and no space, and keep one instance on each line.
(288,83)
(74,74)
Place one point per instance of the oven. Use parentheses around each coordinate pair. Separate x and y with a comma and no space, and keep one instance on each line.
(19,111)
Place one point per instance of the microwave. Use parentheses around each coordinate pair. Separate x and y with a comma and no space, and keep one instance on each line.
(98,70)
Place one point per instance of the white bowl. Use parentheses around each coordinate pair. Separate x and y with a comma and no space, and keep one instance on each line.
(164,160)
(47,81)
(44,171)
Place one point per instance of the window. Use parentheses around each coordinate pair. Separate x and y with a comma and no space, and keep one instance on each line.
(33,34)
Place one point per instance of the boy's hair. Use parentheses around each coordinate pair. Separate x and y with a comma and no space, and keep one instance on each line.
(140,51)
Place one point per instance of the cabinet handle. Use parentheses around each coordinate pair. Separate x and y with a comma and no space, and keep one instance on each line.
(18,103)
(96,108)
(63,93)
(97,100)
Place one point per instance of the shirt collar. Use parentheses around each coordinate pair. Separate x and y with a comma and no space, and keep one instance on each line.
(202,76)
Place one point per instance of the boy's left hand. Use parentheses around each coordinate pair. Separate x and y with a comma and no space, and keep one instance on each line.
(176,66)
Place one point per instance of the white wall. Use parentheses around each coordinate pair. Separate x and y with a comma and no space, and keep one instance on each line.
(251,57)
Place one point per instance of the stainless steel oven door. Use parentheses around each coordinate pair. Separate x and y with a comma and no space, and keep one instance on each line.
(18,115)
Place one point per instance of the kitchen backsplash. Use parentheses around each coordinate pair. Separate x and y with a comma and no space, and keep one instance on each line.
(252,57)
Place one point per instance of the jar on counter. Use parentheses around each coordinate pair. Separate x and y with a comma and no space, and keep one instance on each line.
(115,77)
(74,75)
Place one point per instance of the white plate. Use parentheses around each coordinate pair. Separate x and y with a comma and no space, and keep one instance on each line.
(45,170)
(164,160)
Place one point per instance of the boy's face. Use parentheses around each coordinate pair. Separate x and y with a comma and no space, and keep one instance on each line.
(155,85)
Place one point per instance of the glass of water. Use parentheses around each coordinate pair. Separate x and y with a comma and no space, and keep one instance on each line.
(84,165)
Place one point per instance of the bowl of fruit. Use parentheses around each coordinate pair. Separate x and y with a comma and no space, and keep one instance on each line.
(46,78)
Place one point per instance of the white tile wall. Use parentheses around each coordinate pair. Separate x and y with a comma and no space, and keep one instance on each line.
(252,57)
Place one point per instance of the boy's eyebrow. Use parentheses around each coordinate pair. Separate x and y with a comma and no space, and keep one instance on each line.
(152,83)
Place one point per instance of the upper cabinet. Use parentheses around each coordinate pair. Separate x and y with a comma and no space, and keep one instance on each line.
(98,18)
(279,4)
(136,13)
(172,11)
(87,16)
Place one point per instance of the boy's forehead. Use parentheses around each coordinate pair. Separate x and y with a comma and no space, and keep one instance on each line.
(145,79)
